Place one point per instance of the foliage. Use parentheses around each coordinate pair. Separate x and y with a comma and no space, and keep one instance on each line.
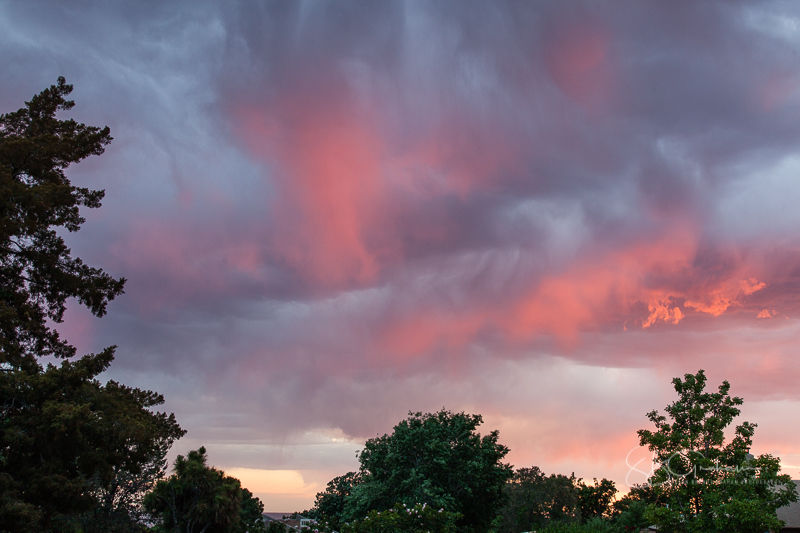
(74,453)
(196,497)
(119,503)
(596,500)
(276,526)
(37,272)
(251,519)
(639,493)
(73,445)
(630,515)
(534,500)
(329,505)
(421,518)
(438,459)
(704,483)
(593,525)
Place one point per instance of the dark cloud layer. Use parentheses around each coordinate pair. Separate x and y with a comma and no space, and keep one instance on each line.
(330,214)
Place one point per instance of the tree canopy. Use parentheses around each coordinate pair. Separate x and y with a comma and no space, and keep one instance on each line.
(330,504)
(705,482)
(37,272)
(596,500)
(534,500)
(198,498)
(420,518)
(437,459)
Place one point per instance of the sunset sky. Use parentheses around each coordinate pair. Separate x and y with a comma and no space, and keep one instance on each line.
(333,213)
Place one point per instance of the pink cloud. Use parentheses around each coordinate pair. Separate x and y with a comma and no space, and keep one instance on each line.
(775,90)
(171,263)
(347,191)
(644,283)
(330,186)
(463,155)
(578,57)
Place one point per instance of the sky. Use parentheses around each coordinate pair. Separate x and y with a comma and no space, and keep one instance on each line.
(330,214)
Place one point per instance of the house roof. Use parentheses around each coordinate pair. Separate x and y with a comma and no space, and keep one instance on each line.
(275,516)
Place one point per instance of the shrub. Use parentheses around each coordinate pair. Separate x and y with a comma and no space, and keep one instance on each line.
(421,518)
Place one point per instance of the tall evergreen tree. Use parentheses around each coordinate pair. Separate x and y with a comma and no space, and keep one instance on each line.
(37,272)
(67,441)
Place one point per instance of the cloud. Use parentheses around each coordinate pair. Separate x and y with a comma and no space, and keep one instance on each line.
(578,58)
(330,189)
(332,214)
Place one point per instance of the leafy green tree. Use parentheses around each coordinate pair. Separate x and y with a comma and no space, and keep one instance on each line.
(703,482)
(534,500)
(53,428)
(329,505)
(438,459)
(65,438)
(251,517)
(118,507)
(198,498)
(632,518)
(78,450)
(596,500)
(630,511)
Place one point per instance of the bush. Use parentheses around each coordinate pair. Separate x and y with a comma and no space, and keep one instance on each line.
(633,516)
(276,526)
(594,525)
(421,518)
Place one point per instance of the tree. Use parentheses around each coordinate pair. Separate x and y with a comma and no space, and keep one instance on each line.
(631,515)
(251,514)
(119,503)
(75,450)
(596,500)
(198,498)
(37,272)
(329,505)
(65,438)
(630,512)
(534,500)
(703,482)
(438,459)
